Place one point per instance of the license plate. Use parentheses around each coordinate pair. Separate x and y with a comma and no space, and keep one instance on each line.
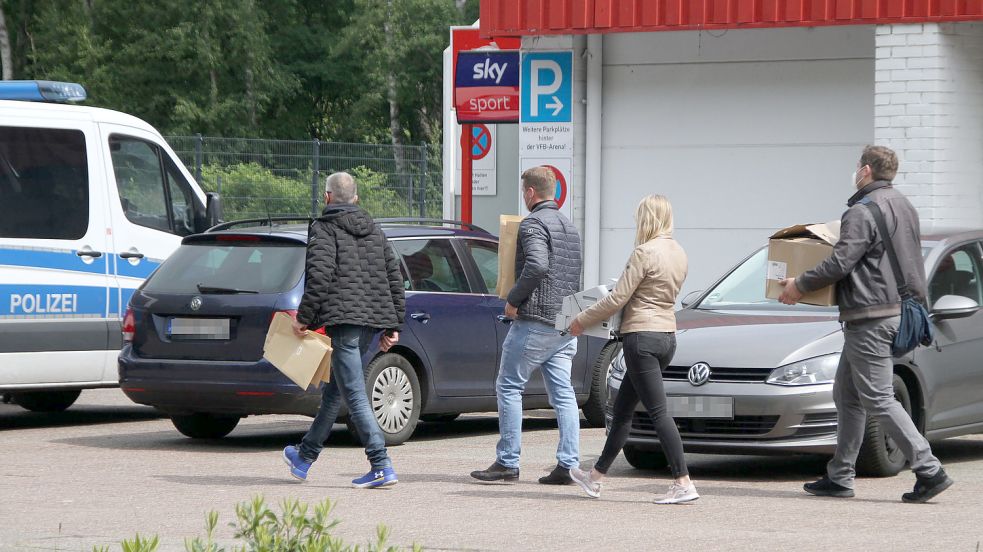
(198,328)
(688,406)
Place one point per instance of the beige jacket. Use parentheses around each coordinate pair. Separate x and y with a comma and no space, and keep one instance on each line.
(646,290)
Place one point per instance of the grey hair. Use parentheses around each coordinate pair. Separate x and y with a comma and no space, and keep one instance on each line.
(342,187)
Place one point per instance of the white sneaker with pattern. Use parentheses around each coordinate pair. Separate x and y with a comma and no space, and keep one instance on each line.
(582,478)
(678,494)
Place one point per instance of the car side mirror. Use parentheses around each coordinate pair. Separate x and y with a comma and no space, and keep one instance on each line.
(950,307)
(213,209)
(691,298)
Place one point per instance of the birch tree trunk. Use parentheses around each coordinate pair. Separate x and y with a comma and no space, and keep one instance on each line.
(6,58)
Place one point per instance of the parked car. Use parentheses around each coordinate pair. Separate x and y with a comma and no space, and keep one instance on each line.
(753,376)
(194,331)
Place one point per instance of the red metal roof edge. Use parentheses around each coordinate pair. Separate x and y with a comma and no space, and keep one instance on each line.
(560,17)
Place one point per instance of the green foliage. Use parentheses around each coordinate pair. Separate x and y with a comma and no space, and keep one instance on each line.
(297,528)
(250,190)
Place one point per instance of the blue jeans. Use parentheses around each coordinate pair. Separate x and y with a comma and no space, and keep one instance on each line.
(528,346)
(348,384)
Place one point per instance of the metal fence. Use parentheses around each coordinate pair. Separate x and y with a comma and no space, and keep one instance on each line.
(259,178)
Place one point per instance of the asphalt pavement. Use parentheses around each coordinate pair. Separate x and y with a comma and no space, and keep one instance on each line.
(107,469)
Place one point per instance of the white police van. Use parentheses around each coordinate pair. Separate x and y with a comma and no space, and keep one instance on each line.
(91,201)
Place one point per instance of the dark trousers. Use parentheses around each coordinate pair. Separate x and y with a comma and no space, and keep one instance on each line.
(646,354)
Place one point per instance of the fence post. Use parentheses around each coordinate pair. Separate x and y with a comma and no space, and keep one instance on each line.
(316,175)
(424,179)
(199,142)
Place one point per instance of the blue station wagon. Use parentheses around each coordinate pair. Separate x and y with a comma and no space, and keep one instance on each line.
(232,279)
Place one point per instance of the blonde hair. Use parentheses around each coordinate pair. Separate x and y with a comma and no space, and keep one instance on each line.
(653,218)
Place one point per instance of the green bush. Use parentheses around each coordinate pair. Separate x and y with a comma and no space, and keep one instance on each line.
(295,529)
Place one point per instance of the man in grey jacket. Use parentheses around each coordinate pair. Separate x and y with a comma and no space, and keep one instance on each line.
(548,266)
(870,308)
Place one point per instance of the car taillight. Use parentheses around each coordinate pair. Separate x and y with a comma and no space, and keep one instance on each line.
(293,314)
(129,326)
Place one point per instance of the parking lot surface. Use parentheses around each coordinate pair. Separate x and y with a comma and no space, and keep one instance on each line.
(107,469)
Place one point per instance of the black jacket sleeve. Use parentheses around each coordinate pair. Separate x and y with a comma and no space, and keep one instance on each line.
(856,237)
(395,284)
(320,270)
(536,261)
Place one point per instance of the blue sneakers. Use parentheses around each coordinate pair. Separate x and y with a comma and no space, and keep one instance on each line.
(376,478)
(298,468)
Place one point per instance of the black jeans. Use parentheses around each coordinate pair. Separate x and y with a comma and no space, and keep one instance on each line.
(646,354)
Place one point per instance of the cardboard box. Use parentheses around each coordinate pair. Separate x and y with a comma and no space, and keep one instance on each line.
(508,238)
(306,361)
(796,249)
(579,302)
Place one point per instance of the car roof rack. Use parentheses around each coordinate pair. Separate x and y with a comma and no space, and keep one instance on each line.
(266,221)
(412,220)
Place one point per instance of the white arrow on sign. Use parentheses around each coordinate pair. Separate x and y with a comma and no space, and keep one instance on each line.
(557,105)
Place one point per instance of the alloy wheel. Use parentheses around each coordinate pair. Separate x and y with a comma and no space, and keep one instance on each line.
(392,399)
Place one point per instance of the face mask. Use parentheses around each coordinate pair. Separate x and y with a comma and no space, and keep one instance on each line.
(853,181)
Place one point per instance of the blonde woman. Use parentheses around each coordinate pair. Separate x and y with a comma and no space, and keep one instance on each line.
(647,292)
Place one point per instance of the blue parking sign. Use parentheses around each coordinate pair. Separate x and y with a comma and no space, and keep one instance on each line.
(545,88)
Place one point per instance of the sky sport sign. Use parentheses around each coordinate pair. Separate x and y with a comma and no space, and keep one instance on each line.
(486,86)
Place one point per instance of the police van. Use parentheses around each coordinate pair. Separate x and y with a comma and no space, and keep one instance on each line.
(91,202)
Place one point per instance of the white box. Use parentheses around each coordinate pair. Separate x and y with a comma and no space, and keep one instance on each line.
(579,302)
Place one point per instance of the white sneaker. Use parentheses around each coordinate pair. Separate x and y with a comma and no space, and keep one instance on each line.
(678,494)
(582,478)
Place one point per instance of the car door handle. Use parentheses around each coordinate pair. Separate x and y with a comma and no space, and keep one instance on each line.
(130,255)
(89,253)
(421,317)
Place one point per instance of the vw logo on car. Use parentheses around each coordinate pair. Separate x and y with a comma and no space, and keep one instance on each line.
(195,303)
(699,374)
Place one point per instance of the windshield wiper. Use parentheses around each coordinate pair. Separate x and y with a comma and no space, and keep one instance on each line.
(213,289)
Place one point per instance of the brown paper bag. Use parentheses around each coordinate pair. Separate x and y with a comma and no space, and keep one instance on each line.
(508,237)
(298,358)
(323,373)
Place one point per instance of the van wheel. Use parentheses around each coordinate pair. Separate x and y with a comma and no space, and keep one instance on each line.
(439,418)
(593,409)
(394,397)
(645,459)
(879,455)
(47,401)
(205,426)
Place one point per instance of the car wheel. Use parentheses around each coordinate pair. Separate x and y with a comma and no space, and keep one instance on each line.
(394,396)
(645,459)
(47,401)
(879,455)
(205,426)
(439,418)
(594,407)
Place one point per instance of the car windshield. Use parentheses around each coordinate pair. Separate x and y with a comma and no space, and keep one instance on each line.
(744,288)
(226,267)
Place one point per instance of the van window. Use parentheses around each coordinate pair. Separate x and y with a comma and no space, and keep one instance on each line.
(152,191)
(44,183)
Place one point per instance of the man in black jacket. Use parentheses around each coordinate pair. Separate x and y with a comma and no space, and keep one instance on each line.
(870,307)
(353,287)
(548,266)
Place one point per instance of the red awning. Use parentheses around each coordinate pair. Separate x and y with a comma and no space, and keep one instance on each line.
(546,17)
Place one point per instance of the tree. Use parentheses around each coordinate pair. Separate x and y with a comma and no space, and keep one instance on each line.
(6,54)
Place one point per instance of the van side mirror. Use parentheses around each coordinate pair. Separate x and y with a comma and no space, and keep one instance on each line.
(691,298)
(950,307)
(213,209)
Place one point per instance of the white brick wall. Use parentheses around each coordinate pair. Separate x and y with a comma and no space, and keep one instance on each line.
(929,109)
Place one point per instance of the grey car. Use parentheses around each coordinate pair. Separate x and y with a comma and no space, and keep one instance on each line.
(753,376)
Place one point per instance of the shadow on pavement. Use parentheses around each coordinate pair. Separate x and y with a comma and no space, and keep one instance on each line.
(15,417)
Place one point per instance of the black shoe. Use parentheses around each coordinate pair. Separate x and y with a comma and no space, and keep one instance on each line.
(825,487)
(927,488)
(559,476)
(496,472)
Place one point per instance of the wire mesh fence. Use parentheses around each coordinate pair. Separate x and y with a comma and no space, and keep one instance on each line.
(259,177)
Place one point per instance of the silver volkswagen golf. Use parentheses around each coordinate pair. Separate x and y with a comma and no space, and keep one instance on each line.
(753,376)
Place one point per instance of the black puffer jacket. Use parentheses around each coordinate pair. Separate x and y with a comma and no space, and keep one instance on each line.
(547,263)
(352,274)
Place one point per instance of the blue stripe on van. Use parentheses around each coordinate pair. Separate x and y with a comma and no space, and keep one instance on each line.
(33,300)
(142,270)
(59,260)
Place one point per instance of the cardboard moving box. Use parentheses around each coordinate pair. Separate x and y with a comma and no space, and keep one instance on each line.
(306,361)
(796,249)
(508,238)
